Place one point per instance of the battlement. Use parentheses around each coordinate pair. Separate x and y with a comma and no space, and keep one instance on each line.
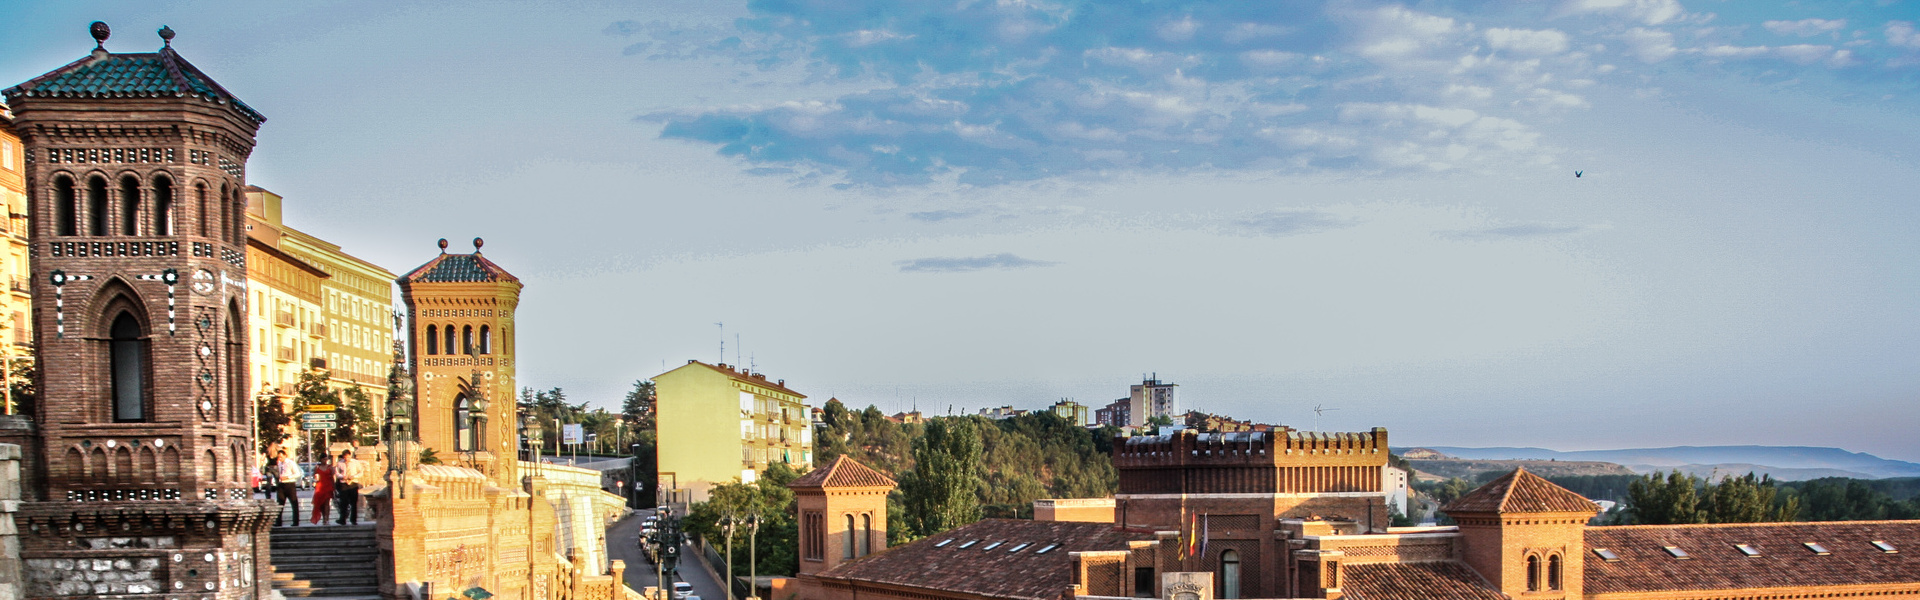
(1283,461)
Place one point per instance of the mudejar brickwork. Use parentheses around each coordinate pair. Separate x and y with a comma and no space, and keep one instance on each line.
(135,166)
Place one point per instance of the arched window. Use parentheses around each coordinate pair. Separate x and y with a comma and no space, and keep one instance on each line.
(449,340)
(237,401)
(866,535)
(97,206)
(462,426)
(129,206)
(486,340)
(238,228)
(200,193)
(847,550)
(226,214)
(162,206)
(433,340)
(1229,574)
(127,357)
(66,206)
(1533,573)
(466,340)
(1553,572)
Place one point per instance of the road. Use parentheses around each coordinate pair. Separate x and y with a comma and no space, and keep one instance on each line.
(623,543)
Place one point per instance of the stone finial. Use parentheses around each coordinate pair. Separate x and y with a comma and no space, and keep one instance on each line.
(100,32)
(443,245)
(166,35)
(477,243)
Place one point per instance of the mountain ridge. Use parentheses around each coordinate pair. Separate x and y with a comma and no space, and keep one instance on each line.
(1788,461)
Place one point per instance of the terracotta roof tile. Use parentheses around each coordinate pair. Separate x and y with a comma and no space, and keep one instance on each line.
(1521,492)
(1025,574)
(1445,580)
(743,376)
(844,472)
(459,268)
(1782,561)
(140,75)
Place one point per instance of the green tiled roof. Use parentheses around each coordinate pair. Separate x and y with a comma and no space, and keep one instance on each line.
(151,75)
(459,268)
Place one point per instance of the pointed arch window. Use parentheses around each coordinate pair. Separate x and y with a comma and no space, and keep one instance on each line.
(96,206)
(129,206)
(1533,573)
(1229,574)
(462,426)
(162,206)
(128,361)
(433,340)
(66,206)
(486,340)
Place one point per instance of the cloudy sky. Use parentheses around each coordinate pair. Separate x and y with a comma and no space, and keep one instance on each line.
(1366,206)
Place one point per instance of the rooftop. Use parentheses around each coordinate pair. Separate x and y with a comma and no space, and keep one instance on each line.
(1036,550)
(159,74)
(459,268)
(1521,492)
(1781,555)
(844,472)
(1437,580)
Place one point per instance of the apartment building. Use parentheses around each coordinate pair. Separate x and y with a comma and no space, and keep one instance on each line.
(720,423)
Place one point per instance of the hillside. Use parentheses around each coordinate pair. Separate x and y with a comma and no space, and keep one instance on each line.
(1783,462)
(1471,469)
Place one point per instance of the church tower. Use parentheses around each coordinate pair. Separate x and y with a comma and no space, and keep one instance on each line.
(135,167)
(843,514)
(460,326)
(1525,535)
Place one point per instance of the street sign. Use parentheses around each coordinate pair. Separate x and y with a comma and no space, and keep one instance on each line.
(319,408)
(570,434)
(316,425)
(311,417)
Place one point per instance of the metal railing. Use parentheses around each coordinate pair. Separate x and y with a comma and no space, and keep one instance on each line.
(283,319)
(286,354)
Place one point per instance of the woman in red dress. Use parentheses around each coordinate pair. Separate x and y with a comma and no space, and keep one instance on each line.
(323,490)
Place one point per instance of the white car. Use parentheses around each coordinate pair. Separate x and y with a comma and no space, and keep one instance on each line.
(682,590)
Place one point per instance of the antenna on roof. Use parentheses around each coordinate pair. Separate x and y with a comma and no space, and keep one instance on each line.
(1317,410)
(723,342)
(736,350)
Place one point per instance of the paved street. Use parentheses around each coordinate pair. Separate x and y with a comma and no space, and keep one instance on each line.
(623,543)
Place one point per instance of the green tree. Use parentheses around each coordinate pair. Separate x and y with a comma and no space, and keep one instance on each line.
(21,372)
(638,407)
(354,417)
(942,491)
(1746,499)
(1673,500)
(271,421)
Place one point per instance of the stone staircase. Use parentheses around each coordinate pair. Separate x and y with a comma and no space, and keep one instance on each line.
(329,562)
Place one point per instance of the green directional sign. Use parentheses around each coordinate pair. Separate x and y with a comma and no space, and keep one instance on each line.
(317,425)
(311,417)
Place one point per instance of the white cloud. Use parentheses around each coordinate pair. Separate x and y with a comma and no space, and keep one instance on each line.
(1806,54)
(1527,41)
(1805,27)
(1650,12)
(1735,51)
(1649,45)
(1394,32)
(1900,33)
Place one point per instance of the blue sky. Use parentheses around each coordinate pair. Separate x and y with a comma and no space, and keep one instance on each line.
(1365,205)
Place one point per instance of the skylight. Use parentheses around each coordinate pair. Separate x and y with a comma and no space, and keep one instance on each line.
(1020,547)
(969,544)
(1050,547)
(992,546)
(1883,546)
(943,543)
(1606,555)
(1817,548)
(1676,552)
(1747,549)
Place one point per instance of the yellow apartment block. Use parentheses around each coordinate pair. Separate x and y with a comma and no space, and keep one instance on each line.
(16,312)
(719,424)
(314,307)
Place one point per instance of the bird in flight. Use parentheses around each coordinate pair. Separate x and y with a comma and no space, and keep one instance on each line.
(1576,174)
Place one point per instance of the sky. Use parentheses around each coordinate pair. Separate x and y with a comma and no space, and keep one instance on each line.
(1572,224)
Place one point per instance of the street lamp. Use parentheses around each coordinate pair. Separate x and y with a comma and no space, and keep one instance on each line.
(530,431)
(753,560)
(399,428)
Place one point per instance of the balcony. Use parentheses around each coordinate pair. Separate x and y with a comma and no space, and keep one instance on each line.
(19,285)
(285,354)
(318,330)
(284,319)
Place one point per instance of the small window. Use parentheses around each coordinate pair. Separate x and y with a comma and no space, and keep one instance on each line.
(1048,548)
(969,544)
(943,543)
(1817,548)
(1747,549)
(992,546)
(1018,548)
(1676,552)
(1884,547)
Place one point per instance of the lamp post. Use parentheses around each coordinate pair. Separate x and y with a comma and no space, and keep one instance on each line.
(530,431)
(399,427)
(729,522)
(753,559)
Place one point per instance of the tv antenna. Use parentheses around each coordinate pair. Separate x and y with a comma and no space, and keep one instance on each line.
(723,341)
(1319,409)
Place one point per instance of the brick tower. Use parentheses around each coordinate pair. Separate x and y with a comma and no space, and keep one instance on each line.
(843,513)
(460,326)
(135,166)
(1525,535)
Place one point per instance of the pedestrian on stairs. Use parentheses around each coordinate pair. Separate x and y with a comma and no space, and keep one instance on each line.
(287,473)
(322,490)
(346,487)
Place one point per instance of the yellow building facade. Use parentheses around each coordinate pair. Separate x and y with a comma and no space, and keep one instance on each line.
(314,307)
(16,306)
(719,423)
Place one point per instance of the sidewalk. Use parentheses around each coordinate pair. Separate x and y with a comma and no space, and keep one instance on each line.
(306,509)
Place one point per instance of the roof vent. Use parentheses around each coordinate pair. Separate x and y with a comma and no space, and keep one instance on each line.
(992,546)
(969,544)
(1022,546)
(1817,548)
(1676,552)
(943,543)
(1606,555)
(1048,548)
(1747,549)
(1884,547)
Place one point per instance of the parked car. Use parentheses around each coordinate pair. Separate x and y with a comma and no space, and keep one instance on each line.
(681,590)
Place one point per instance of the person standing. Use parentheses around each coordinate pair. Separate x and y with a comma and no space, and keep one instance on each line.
(346,487)
(287,473)
(322,490)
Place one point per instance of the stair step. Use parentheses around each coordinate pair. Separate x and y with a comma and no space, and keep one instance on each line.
(355,591)
(346,544)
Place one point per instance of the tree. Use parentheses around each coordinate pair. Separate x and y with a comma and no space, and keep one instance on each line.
(1746,499)
(21,372)
(271,419)
(638,409)
(1672,501)
(354,417)
(941,492)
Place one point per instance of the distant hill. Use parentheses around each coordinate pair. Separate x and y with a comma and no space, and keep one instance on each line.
(1469,469)
(1786,463)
